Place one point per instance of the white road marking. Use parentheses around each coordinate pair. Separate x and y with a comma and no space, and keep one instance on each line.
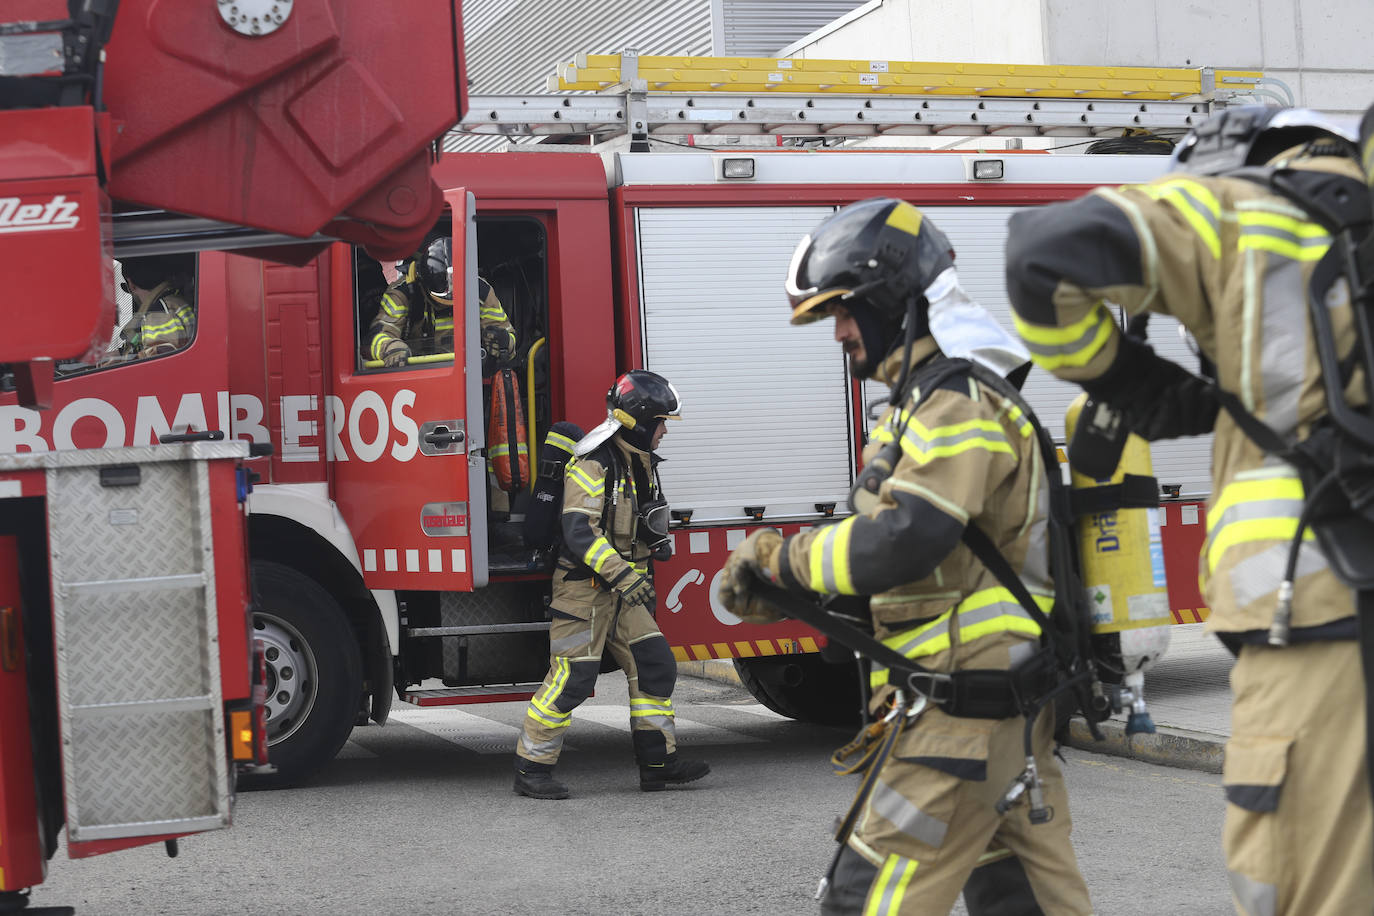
(689,732)
(467,730)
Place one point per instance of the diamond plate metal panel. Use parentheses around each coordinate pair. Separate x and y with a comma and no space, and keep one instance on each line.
(500,657)
(136,646)
(120,770)
(134,623)
(127,531)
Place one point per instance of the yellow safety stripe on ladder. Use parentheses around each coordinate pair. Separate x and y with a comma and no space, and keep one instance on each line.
(598,72)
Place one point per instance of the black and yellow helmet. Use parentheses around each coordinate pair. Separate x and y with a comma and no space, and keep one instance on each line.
(880,252)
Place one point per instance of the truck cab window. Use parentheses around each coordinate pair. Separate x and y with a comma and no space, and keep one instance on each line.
(155,308)
(404,309)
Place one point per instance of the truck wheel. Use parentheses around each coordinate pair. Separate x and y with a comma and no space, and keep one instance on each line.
(803,687)
(314,670)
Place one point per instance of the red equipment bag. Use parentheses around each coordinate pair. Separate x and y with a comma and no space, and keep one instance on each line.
(506,433)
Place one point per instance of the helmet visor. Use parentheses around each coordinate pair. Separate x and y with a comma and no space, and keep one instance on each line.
(807,301)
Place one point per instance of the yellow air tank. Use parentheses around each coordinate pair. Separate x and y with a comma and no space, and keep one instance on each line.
(1122,561)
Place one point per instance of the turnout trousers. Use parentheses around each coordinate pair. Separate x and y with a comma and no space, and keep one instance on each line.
(924,830)
(588,620)
(1299,830)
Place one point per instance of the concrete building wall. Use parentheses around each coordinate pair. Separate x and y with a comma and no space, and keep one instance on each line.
(1323,50)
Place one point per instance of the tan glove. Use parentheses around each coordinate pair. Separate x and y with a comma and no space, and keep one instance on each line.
(754,560)
(638,590)
(395,354)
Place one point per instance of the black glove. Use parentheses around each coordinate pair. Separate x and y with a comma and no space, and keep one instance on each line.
(1161,399)
(498,343)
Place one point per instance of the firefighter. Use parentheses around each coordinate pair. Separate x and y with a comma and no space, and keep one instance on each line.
(415,315)
(961,457)
(1217,244)
(614,524)
(163,319)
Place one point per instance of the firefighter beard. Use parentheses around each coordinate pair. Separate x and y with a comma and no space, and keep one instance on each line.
(931,824)
(601,602)
(1232,261)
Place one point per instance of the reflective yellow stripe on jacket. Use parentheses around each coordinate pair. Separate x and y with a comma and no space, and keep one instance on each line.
(593,486)
(597,554)
(1198,206)
(986,612)
(1073,345)
(1256,507)
(1262,230)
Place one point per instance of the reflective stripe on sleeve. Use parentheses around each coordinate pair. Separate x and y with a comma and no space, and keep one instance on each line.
(393,306)
(1072,345)
(829,555)
(597,554)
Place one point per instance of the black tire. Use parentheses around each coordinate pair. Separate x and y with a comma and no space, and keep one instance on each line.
(804,687)
(314,671)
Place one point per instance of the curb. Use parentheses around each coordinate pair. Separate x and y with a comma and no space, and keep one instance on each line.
(715,669)
(1170,747)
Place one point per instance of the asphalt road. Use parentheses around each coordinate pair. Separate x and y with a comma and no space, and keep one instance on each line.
(419,818)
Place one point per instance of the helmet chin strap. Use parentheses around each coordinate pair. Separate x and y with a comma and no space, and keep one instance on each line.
(913,318)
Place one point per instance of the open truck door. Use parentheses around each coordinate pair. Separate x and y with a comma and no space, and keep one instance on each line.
(422,522)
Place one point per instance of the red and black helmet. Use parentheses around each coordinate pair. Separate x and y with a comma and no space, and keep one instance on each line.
(639,396)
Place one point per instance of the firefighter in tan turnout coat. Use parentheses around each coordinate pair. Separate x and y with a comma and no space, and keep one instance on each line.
(1228,256)
(614,524)
(966,457)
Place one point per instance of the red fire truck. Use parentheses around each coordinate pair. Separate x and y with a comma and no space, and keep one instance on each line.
(382,567)
(128,697)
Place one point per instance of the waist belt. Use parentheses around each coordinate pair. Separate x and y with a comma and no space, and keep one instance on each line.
(980,693)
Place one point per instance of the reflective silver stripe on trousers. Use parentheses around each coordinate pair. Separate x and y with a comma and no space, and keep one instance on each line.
(907,818)
(1254,898)
(542,749)
(566,644)
(1259,576)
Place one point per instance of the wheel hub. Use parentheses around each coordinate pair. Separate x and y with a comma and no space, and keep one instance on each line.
(292,678)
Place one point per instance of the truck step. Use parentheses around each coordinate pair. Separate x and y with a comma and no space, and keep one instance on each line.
(461,696)
(489,629)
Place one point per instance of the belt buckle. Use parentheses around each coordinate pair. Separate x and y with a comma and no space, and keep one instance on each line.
(940,686)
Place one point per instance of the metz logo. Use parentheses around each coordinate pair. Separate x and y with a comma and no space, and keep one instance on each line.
(58,213)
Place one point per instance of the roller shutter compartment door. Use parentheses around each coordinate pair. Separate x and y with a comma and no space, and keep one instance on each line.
(767,417)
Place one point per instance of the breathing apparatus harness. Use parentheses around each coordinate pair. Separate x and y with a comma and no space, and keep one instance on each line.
(651,514)
(1336,458)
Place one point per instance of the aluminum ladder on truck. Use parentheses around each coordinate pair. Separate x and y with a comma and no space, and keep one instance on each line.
(606,96)
(135,629)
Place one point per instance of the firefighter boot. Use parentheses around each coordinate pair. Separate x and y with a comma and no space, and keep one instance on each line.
(536,780)
(673,771)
